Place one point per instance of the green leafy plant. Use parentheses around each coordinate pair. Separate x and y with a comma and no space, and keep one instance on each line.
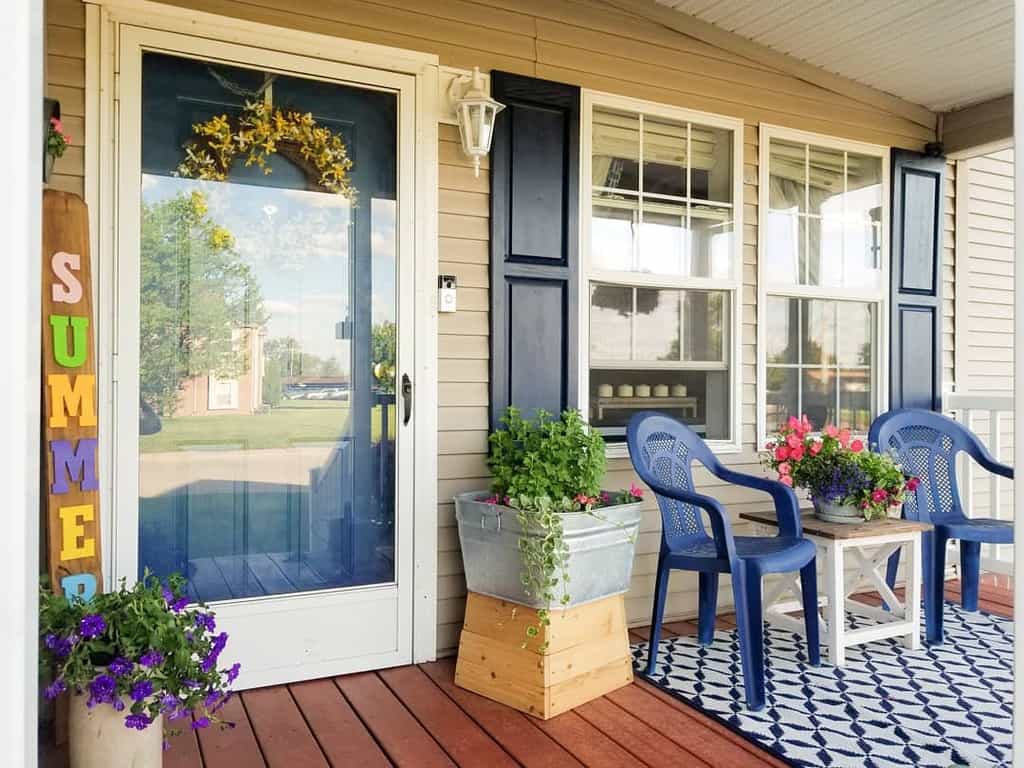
(544,468)
(144,651)
(836,469)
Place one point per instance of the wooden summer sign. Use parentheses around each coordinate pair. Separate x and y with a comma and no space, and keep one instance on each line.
(69,427)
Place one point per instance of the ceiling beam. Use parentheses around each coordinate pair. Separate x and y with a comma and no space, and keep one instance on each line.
(979,125)
(762,54)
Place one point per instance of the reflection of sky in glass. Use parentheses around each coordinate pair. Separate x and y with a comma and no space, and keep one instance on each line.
(297,243)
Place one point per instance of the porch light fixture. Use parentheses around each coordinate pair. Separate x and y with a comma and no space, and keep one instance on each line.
(475,111)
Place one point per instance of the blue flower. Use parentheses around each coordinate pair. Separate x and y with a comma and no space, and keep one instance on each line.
(141,690)
(138,722)
(168,702)
(92,625)
(60,646)
(200,722)
(120,667)
(151,658)
(101,690)
(206,621)
(55,689)
(233,672)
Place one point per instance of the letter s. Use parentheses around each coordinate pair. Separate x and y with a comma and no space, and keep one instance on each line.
(62,264)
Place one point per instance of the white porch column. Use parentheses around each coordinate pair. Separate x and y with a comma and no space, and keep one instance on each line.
(21,138)
(1018,384)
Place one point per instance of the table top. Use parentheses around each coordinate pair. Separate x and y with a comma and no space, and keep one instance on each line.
(814,527)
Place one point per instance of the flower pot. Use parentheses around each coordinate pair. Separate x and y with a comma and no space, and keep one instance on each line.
(48,163)
(98,738)
(846,514)
(600,550)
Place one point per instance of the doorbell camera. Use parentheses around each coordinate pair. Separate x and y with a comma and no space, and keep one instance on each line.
(446,293)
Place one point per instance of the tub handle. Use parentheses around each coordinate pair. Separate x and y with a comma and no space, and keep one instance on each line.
(483,523)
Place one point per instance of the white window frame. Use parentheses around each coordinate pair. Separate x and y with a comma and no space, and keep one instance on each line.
(732,285)
(879,297)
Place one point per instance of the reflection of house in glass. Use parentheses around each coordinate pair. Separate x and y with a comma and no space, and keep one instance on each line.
(240,394)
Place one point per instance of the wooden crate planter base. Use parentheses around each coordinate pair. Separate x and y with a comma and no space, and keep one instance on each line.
(587,654)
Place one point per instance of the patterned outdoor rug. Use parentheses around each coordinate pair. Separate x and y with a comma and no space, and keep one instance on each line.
(946,706)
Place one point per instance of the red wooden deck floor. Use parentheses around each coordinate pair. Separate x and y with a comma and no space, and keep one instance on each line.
(415,716)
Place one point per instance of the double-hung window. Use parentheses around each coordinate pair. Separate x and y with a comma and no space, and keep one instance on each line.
(823,277)
(662,230)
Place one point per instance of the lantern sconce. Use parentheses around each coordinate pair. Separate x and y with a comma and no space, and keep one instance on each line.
(475,111)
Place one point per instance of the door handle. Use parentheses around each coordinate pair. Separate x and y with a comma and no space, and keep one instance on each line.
(406,398)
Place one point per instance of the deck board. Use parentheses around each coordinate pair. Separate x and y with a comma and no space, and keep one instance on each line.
(590,745)
(234,747)
(284,737)
(339,731)
(637,736)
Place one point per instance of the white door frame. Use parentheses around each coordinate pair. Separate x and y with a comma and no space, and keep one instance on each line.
(111,170)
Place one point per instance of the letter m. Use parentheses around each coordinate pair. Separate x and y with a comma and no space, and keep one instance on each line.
(67,400)
(74,465)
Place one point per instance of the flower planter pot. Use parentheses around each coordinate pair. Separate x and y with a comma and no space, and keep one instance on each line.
(583,652)
(98,738)
(601,547)
(844,514)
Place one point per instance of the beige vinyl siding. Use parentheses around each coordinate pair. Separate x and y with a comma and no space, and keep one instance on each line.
(986,330)
(585,43)
(949,286)
(65,81)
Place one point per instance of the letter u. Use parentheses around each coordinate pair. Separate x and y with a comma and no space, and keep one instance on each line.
(79,329)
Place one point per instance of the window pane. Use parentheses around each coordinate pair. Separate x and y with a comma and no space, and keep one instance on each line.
(787,183)
(711,173)
(611,311)
(856,333)
(863,187)
(664,157)
(611,235)
(705,322)
(825,177)
(786,246)
(862,231)
(711,241)
(819,331)
(616,150)
(663,242)
(818,393)
(781,389)
(825,264)
(782,339)
(657,324)
(855,399)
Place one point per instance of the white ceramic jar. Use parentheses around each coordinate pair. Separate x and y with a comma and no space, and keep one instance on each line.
(625,390)
(643,390)
(98,738)
(661,390)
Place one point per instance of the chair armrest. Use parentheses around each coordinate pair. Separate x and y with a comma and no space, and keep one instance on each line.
(787,509)
(987,461)
(720,527)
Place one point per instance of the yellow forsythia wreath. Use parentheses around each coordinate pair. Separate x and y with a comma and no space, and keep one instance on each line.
(262,131)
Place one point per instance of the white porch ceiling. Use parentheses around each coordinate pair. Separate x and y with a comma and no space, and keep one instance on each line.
(941,54)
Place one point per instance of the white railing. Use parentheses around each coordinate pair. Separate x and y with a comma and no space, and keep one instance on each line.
(984,415)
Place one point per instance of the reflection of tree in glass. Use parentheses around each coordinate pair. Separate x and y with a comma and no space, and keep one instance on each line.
(382,355)
(196,296)
(292,363)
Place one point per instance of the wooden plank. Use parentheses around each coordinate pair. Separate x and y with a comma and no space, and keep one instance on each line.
(636,736)
(512,730)
(593,747)
(206,579)
(283,734)
(812,526)
(183,750)
(234,747)
(271,577)
(399,735)
(342,736)
(240,579)
(452,728)
(297,571)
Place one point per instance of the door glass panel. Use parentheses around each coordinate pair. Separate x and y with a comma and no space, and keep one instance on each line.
(267,337)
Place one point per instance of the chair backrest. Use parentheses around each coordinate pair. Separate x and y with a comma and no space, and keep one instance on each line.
(926,444)
(663,451)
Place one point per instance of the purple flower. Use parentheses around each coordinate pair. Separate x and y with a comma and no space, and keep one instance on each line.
(233,672)
(141,690)
(60,646)
(179,605)
(210,661)
(177,714)
(200,722)
(151,658)
(211,699)
(92,625)
(206,621)
(190,684)
(168,702)
(118,705)
(138,722)
(101,690)
(120,667)
(55,689)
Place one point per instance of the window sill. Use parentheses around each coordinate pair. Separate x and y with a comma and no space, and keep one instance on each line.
(621,450)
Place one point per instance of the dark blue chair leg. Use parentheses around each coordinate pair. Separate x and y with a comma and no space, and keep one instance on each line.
(707,606)
(809,592)
(660,593)
(890,573)
(746,588)
(970,574)
(934,570)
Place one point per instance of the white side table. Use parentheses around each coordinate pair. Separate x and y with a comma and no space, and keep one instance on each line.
(852,558)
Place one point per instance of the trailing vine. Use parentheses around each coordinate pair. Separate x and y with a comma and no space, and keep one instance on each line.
(263,130)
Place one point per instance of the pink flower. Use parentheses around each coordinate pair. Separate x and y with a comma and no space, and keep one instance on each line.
(57,125)
(793,423)
(806,423)
(912,484)
(786,480)
(793,441)
(863,505)
(604,496)
(856,446)
(781,453)
(490,500)
(844,437)
(582,498)
(784,468)
(879,495)
(797,453)
(507,500)
(635,490)
(816,447)
(831,431)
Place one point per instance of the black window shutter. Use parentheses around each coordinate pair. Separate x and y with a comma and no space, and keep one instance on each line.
(916,307)
(534,245)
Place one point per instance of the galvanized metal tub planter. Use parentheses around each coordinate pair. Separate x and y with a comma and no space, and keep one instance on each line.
(600,543)
(845,514)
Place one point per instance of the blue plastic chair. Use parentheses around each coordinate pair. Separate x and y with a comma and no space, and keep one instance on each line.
(926,444)
(662,451)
